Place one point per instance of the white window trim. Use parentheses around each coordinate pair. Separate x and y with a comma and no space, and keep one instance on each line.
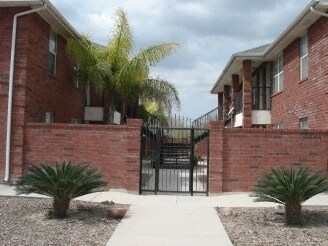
(76,68)
(280,86)
(49,117)
(54,52)
(302,121)
(304,56)
(278,126)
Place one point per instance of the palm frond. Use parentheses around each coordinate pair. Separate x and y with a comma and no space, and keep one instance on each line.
(289,185)
(155,53)
(92,66)
(60,180)
(115,69)
(160,91)
(121,45)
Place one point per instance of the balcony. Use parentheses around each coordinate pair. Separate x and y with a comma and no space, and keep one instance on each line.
(239,102)
(261,98)
(261,107)
(238,122)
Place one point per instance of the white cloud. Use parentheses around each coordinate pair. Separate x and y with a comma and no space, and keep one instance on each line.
(209,32)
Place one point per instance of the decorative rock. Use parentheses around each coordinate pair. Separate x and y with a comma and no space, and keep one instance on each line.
(228,212)
(116,213)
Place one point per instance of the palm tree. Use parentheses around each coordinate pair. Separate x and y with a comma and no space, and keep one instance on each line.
(114,68)
(291,188)
(62,182)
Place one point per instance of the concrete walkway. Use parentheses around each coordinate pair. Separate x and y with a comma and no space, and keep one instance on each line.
(170,219)
(170,226)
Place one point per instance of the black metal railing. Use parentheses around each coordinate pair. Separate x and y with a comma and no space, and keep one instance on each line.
(202,122)
(261,98)
(149,119)
(178,121)
(239,102)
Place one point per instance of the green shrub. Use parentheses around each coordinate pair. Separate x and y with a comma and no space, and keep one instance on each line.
(62,182)
(291,188)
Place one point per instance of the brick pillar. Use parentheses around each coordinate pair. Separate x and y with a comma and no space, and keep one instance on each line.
(216,157)
(220,104)
(247,94)
(235,89)
(132,155)
(226,100)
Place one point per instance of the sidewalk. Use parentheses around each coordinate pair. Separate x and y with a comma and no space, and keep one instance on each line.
(170,226)
(173,220)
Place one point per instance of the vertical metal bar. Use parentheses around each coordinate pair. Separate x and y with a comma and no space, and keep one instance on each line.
(158,158)
(141,154)
(152,143)
(163,162)
(170,175)
(183,153)
(208,159)
(192,153)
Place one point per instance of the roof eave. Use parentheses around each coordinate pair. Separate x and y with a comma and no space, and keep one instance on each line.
(68,30)
(50,15)
(292,25)
(306,11)
(230,62)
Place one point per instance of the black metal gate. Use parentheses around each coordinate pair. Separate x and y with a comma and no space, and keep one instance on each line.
(174,160)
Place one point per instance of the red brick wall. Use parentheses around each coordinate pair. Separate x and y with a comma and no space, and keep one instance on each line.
(6,22)
(216,157)
(239,155)
(201,148)
(307,98)
(115,150)
(46,92)
(35,91)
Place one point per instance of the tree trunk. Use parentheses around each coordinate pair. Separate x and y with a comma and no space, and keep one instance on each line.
(293,213)
(60,207)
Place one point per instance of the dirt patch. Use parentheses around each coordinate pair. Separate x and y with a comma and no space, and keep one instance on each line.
(27,221)
(266,226)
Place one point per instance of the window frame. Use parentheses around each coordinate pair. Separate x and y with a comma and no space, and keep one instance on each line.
(52,53)
(304,55)
(76,68)
(278,125)
(262,87)
(304,123)
(278,76)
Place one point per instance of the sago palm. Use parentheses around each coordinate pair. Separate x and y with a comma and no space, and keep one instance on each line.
(129,75)
(291,188)
(62,182)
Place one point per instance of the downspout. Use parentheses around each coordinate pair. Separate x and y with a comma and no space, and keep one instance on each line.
(11,87)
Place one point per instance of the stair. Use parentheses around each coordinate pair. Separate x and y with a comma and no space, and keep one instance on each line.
(175,156)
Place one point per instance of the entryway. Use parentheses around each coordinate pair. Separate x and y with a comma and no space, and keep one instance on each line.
(174,160)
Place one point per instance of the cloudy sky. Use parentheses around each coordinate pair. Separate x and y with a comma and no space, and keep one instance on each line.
(209,32)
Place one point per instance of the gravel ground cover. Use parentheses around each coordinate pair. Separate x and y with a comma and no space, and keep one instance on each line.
(266,226)
(28,221)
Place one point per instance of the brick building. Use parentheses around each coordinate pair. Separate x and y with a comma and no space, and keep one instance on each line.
(283,84)
(37,81)
(35,72)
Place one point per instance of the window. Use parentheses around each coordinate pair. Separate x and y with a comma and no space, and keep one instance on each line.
(304,123)
(278,126)
(304,66)
(76,68)
(261,88)
(49,117)
(52,53)
(278,79)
